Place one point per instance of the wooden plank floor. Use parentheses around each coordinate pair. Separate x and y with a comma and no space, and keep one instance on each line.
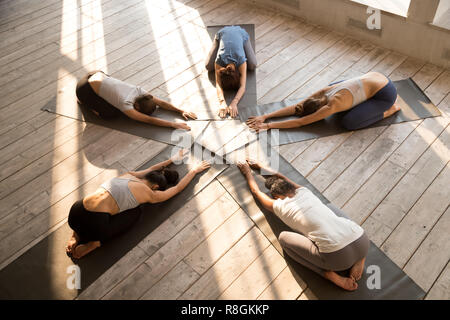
(392,180)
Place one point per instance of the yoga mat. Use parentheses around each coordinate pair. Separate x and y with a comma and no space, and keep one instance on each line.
(394,284)
(249,98)
(125,124)
(40,273)
(413,102)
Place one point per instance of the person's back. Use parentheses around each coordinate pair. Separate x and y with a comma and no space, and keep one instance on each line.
(305,213)
(120,191)
(231,47)
(118,93)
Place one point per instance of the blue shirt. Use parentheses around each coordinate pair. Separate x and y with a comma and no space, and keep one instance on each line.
(231,45)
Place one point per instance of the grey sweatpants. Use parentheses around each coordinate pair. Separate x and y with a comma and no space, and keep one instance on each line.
(249,53)
(305,252)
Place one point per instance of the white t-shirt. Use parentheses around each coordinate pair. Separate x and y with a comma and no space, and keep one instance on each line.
(306,214)
(118,93)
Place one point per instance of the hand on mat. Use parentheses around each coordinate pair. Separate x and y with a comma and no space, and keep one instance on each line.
(255,165)
(255,120)
(223,112)
(233,110)
(201,166)
(245,168)
(189,115)
(181,125)
(179,156)
(259,127)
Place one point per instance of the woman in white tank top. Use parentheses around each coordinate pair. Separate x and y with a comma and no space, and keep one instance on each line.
(320,239)
(365,100)
(108,97)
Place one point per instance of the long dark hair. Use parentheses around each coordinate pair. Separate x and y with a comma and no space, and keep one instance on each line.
(163,178)
(229,78)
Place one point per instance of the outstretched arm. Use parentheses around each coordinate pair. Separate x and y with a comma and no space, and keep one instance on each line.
(159,166)
(160,196)
(263,198)
(241,90)
(141,117)
(283,112)
(320,114)
(259,166)
(168,106)
(219,90)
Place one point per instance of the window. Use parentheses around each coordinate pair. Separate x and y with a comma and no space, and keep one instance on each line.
(442,17)
(398,7)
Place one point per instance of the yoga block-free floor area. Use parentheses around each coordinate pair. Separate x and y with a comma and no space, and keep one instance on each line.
(393,180)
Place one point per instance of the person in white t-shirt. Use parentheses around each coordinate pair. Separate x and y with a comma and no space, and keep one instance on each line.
(320,240)
(108,97)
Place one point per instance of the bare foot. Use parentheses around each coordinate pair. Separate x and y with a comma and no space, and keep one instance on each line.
(391,111)
(357,269)
(71,245)
(348,284)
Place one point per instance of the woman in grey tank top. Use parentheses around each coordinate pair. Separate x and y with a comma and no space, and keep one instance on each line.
(363,100)
(113,208)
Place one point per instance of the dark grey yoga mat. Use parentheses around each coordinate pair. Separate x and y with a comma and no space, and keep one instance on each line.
(395,284)
(125,124)
(40,273)
(249,99)
(413,102)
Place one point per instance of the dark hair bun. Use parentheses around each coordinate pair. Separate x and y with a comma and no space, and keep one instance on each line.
(171,176)
(270,181)
(279,186)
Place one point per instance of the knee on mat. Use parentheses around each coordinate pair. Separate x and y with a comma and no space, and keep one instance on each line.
(350,124)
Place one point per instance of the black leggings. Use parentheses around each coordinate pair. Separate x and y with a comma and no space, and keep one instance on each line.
(87,96)
(100,226)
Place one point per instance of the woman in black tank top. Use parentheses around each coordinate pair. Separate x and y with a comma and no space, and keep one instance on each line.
(96,219)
